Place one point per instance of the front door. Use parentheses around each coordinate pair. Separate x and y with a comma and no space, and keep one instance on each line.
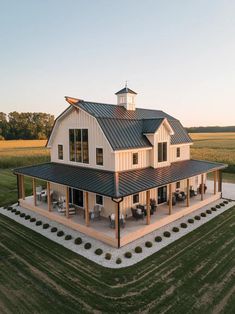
(76,197)
(162,194)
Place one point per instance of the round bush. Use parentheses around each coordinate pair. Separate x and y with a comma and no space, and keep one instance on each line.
(22,215)
(208,211)
(183,225)
(158,239)
(191,220)
(46,226)
(175,229)
(9,208)
(27,217)
(108,256)
(13,210)
(118,260)
(33,219)
(54,229)
(98,251)
(138,249)
(17,212)
(217,206)
(197,218)
(222,204)
(87,245)
(68,237)
(203,214)
(225,202)
(78,241)
(128,254)
(38,223)
(60,233)
(167,234)
(148,244)
(214,209)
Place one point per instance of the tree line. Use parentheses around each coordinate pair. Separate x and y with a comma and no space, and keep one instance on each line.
(25,125)
(211,129)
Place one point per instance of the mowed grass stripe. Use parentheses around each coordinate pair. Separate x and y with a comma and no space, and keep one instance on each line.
(167,281)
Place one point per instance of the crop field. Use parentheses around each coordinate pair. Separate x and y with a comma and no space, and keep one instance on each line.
(196,274)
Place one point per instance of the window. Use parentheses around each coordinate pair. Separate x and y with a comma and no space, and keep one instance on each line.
(99,156)
(135,198)
(135,158)
(78,145)
(99,199)
(60,151)
(162,151)
(178,184)
(178,152)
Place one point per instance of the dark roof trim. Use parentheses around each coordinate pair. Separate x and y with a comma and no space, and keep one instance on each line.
(126,90)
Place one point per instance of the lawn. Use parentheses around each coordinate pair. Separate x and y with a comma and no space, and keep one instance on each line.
(196,274)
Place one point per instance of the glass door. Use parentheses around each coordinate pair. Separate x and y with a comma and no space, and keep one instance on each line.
(162,194)
(76,197)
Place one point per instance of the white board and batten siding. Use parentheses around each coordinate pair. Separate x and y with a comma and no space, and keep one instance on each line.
(124,159)
(184,152)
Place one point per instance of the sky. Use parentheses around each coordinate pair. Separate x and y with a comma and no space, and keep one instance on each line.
(179,56)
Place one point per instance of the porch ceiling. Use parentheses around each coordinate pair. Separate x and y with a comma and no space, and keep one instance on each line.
(126,183)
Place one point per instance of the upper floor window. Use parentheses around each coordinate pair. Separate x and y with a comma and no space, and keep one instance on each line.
(99,156)
(162,151)
(60,151)
(78,145)
(136,198)
(178,152)
(99,199)
(178,185)
(135,158)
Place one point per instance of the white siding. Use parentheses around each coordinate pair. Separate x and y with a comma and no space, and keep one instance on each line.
(124,160)
(184,152)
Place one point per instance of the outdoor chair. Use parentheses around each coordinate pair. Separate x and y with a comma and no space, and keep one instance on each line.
(111,222)
(137,215)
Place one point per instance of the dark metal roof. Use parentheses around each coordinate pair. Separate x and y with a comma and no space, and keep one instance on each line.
(151,125)
(126,90)
(129,182)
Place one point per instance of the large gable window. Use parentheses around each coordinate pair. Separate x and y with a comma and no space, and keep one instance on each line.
(78,145)
(162,151)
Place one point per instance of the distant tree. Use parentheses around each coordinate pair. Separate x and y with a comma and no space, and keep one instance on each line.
(3,125)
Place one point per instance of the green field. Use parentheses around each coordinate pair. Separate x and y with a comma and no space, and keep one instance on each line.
(195,274)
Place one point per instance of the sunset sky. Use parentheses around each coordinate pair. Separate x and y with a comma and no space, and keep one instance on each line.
(179,56)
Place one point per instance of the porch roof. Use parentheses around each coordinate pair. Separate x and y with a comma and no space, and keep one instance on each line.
(125,183)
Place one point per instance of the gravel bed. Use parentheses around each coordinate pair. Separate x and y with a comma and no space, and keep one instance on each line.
(116,253)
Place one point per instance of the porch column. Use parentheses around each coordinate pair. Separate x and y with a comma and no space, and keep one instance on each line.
(215,181)
(116,220)
(219,181)
(188,194)
(19,184)
(49,196)
(87,218)
(170,199)
(22,187)
(67,202)
(34,192)
(202,187)
(148,207)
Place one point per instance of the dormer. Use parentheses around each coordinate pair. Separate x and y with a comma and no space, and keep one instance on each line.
(126,98)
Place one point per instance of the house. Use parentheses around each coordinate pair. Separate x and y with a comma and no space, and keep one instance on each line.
(110,161)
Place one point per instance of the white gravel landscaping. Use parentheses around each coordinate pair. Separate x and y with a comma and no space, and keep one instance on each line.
(116,253)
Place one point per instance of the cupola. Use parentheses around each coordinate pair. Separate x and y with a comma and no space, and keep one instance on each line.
(126,98)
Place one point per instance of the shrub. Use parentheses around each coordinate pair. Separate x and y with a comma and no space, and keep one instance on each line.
(78,241)
(13,210)
(118,260)
(138,249)
(98,251)
(27,217)
(158,239)
(22,215)
(183,225)
(54,229)
(222,204)
(225,202)
(148,244)
(38,223)
(108,256)
(203,214)
(191,220)
(9,208)
(46,226)
(128,254)
(17,212)
(87,245)
(60,233)
(68,237)
(33,219)
(167,234)
(175,229)
(214,209)
(208,211)
(197,218)
(217,206)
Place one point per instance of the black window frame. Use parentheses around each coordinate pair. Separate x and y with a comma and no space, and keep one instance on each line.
(60,152)
(178,152)
(162,152)
(135,158)
(99,156)
(97,197)
(136,198)
(79,145)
